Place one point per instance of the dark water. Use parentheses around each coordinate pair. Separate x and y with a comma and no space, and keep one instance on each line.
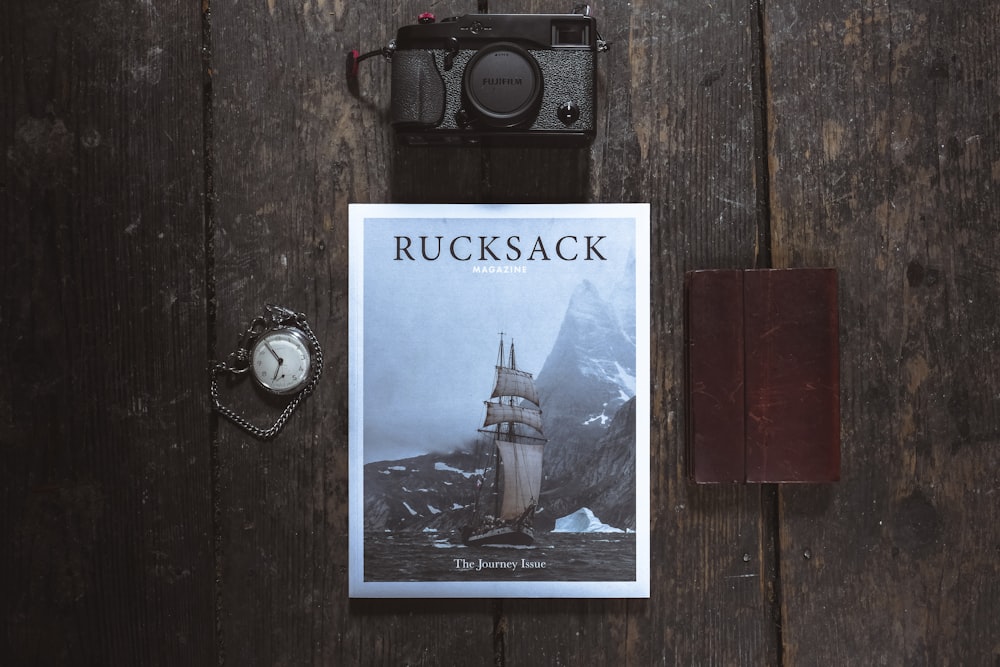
(405,556)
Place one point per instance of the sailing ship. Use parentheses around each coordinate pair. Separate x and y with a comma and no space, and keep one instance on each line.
(507,493)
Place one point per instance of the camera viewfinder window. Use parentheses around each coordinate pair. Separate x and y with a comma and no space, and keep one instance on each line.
(570,33)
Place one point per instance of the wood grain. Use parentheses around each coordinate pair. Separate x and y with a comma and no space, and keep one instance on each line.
(103,423)
(883,159)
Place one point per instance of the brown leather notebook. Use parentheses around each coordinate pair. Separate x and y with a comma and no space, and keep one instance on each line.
(763,375)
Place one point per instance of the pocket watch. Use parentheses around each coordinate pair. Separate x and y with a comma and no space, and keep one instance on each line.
(282,354)
(280,360)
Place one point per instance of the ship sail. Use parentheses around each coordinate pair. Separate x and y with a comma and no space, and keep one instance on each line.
(522,480)
(500,413)
(512,382)
(508,494)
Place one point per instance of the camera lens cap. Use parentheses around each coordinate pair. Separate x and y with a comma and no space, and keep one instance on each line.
(503,84)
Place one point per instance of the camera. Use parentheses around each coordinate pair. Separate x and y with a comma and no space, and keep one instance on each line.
(497,79)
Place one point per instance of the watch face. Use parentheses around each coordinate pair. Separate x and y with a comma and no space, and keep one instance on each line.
(281,361)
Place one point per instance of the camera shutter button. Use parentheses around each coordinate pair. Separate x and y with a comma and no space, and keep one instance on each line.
(568,113)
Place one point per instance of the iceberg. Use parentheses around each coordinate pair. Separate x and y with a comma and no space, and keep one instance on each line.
(583,521)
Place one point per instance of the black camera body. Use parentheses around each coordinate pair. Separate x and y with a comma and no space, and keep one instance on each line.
(523,79)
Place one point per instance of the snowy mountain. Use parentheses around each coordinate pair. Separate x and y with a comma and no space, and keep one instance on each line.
(603,480)
(429,492)
(623,299)
(587,377)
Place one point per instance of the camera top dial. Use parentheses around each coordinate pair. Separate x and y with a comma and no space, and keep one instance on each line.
(503,85)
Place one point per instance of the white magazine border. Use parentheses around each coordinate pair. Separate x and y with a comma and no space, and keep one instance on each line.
(358,587)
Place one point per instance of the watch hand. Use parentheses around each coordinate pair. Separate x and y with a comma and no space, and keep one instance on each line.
(271,350)
(276,356)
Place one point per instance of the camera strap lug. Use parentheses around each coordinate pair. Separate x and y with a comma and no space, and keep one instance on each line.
(451,44)
(354,58)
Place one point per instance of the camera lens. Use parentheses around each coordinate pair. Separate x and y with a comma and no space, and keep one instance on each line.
(503,84)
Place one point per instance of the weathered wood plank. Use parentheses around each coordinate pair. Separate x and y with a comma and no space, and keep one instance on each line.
(883,160)
(292,147)
(678,130)
(106,520)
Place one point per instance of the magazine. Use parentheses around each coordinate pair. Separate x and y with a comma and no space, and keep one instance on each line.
(499,400)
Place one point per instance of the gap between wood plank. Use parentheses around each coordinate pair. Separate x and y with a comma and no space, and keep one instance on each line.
(761,105)
(770,509)
(770,493)
(499,634)
(208,158)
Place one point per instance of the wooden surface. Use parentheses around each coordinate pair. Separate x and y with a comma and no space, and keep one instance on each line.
(167,168)
(889,167)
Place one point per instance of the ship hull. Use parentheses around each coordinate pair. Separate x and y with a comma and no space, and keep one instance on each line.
(500,536)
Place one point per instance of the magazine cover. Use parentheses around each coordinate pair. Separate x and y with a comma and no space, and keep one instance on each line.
(499,400)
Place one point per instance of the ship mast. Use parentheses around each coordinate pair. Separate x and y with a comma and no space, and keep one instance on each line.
(504,430)
(497,499)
